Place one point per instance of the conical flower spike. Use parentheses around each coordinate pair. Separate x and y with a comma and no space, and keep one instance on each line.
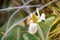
(34,18)
(32,28)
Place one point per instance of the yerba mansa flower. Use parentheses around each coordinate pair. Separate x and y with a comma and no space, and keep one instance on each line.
(33,23)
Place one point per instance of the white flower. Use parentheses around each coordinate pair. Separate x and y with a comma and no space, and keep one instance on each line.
(33,23)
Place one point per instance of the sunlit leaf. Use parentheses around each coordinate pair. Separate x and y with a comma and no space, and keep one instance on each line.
(45,28)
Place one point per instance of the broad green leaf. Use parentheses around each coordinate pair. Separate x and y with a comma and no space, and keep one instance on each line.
(45,28)
(14,34)
(31,37)
(17,33)
(25,37)
(40,33)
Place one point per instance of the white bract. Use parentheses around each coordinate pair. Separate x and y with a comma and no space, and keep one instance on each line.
(33,28)
(33,23)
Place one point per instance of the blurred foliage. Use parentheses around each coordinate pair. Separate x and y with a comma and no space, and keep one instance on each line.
(48,30)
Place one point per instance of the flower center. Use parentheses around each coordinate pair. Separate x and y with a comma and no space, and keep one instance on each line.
(34,18)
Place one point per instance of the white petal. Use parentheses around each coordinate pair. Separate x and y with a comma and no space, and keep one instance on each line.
(39,20)
(32,28)
(38,12)
(42,16)
(31,15)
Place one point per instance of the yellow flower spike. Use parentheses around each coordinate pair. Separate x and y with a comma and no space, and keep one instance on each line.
(34,18)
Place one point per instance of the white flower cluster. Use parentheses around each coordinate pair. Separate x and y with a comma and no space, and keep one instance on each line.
(33,25)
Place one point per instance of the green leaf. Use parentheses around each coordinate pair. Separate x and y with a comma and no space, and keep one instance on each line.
(2,30)
(31,37)
(45,27)
(55,23)
(40,33)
